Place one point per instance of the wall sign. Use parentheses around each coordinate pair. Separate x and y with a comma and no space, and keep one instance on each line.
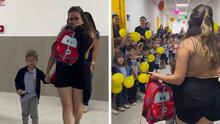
(2,28)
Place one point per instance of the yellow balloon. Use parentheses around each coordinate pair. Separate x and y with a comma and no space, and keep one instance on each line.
(143,78)
(118,78)
(160,50)
(172,19)
(122,32)
(148,34)
(144,66)
(215,27)
(150,58)
(116,88)
(135,36)
(169,30)
(129,82)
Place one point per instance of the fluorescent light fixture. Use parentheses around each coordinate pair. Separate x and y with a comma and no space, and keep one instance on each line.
(182,13)
(181,5)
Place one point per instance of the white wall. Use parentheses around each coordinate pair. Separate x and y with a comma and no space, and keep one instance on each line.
(215,6)
(46,17)
(146,8)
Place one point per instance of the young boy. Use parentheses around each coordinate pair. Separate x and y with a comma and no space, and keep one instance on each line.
(27,83)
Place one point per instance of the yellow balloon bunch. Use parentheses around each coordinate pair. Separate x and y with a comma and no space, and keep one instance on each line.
(160,50)
(144,66)
(143,78)
(117,80)
(215,27)
(148,34)
(122,32)
(135,36)
(150,58)
(116,88)
(129,82)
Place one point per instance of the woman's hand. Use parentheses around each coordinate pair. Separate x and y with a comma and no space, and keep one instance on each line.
(92,66)
(47,78)
(154,75)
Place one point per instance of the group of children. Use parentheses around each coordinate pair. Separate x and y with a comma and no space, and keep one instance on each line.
(127,59)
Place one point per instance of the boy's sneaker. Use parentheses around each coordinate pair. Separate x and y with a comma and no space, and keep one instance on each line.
(126,106)
(138,101)
(134,104)
(114,112)
(121,109)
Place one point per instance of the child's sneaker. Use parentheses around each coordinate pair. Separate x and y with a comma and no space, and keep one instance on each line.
(126,106)
(134,104)
(121,109)
(114,112)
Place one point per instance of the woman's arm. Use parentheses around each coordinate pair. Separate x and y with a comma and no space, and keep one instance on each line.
(49,66)
(182,60)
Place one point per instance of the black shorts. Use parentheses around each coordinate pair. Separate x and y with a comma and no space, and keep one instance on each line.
(198,98)
(67,76)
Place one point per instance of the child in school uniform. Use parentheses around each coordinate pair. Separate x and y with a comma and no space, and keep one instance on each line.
(28,84)
(120,66)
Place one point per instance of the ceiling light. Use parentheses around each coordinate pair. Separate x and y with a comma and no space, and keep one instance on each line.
(181,5)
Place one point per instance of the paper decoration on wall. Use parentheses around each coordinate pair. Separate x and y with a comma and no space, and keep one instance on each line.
(2,28)
(176,11)
(2,2)
(161,5)
(172,19)
(185,16)
(128,17)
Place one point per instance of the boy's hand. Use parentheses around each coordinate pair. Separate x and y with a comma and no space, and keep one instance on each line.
(47,78)
(20,92)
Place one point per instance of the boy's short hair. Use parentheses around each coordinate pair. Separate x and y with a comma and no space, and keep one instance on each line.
(130,47)
(31,53)
(145,48)
(114,15)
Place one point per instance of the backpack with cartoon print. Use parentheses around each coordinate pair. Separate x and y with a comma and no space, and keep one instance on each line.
(158,102)
(65,47)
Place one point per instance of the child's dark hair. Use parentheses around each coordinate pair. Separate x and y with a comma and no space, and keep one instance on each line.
(119,55)
(145,48)
(114,15)
(31,53)
(129,48)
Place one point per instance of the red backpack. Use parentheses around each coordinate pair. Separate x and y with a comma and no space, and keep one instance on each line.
(158,102)
(65,47)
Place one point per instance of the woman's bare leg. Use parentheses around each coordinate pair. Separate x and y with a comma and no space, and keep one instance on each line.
(67,104)
(77,105)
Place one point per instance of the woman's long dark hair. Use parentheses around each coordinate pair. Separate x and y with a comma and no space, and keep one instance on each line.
(201,24)
(86,24)
(92,22)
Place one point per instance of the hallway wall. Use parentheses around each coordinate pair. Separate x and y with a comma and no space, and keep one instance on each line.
(143,8)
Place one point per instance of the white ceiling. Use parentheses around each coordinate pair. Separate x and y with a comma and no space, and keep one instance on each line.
(170,5)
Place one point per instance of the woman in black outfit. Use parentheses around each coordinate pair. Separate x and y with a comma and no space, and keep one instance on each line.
(91,62)
(71,80)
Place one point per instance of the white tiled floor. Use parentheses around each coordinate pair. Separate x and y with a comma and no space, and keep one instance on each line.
(50,111)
